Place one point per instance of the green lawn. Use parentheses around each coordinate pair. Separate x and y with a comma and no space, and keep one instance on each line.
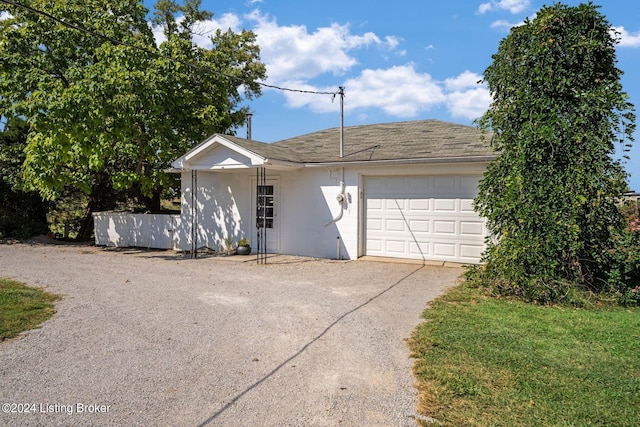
(22,308)
(489,362)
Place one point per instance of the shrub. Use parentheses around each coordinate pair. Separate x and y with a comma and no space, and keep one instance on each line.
(550,197)
(622,262)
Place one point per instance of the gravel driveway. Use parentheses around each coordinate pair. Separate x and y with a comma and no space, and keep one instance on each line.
(154,338)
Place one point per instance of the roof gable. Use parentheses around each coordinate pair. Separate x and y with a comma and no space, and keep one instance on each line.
(218,152)
(222,157)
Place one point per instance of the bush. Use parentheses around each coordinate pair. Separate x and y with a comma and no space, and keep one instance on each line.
(623,260)
(523,286)
(550,197)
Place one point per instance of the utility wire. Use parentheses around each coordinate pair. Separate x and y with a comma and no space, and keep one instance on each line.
(149,52)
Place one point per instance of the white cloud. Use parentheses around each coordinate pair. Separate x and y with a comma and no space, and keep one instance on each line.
(204,30)
(294,56)
(513,6)
(484,8)
(505,25)
(465,80)
(626,38)
(292,52)
(469,104)
(392,41)
(399,91)
(466,97)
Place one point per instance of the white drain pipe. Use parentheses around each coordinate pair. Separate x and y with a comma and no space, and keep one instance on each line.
(341,198)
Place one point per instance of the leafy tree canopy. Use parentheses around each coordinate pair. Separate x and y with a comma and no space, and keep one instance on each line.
(109,114)
(558,114)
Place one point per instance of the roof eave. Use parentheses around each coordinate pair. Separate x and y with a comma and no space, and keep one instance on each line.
(283,164)
(273,163)
(461,159)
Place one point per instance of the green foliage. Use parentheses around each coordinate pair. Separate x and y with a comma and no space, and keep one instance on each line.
(243,242)
(106,117)
(22,308)
(622,261)
(551,196)
(67,213)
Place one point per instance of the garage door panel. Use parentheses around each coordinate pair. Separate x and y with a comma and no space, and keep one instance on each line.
(469,183)
(394,225)
(374,204)
(420,205)
(394,204)
(444,249)
(468,228)
(444,227)
(445,183)
(419,225)
(425,217)
(374,224)
(471,251)
(444,205)
(466,205)
(420,249)
(395,246)
(418,184)
(374,245)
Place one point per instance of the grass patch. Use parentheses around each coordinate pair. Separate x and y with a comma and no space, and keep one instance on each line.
(22,308)
(483,361)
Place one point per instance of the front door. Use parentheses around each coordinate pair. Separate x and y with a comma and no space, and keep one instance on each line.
(265,206)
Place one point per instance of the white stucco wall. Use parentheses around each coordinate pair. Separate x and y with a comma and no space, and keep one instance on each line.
(223,209)
(305,203)
(309,202)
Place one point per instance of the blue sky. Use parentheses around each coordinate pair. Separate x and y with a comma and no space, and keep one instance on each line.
(404,60)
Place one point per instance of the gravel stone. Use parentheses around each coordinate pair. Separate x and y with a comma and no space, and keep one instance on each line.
(155,338)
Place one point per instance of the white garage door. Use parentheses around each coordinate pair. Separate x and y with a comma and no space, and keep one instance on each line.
(423,217)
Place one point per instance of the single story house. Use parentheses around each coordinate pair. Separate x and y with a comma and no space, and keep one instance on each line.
(401,190)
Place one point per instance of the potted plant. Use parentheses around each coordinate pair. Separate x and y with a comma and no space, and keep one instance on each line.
(243,247)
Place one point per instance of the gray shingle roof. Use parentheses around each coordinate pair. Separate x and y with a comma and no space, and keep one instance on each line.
(268,151)
(411,140)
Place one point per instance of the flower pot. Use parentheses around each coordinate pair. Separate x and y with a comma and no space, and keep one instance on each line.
(243,250)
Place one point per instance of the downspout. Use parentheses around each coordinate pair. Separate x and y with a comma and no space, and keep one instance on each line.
(342,198)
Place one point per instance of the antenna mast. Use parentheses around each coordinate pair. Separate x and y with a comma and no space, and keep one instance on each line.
(341,93)
(249,116)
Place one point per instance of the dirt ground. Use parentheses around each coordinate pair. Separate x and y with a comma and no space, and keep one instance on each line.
(156,338)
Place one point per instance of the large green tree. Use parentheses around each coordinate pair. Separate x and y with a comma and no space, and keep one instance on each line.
(108,108)
(558,115)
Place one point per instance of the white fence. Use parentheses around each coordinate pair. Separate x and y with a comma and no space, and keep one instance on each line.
(136,230)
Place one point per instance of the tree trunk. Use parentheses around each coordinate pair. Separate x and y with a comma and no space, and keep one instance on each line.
(103,197)
(86,228)
(151,204)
